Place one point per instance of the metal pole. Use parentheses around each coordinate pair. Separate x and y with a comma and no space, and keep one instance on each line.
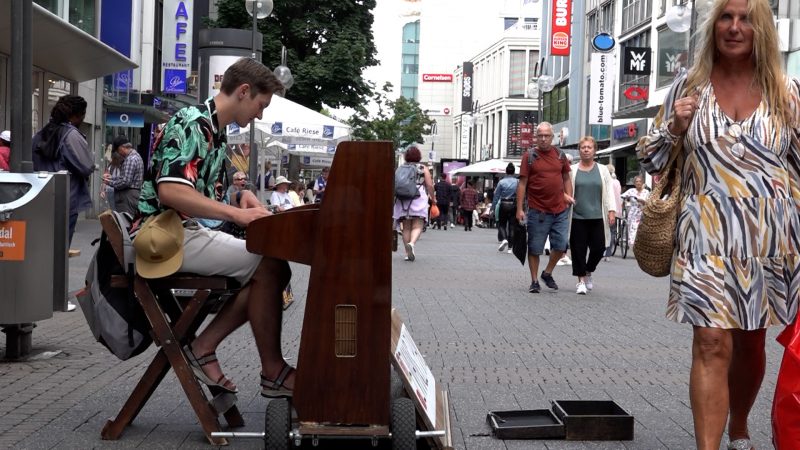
(253,166)
(21,61)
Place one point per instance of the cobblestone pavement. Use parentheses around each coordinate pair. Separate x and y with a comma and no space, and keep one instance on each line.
(493,345)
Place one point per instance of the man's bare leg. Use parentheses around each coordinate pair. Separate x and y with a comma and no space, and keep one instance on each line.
(265,313)
(551,263)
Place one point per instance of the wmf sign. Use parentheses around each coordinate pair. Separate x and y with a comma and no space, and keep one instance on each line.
(637,61)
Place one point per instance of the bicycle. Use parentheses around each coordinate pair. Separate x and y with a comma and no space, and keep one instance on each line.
(621,240)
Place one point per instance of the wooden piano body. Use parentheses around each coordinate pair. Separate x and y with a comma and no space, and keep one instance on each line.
(343,368)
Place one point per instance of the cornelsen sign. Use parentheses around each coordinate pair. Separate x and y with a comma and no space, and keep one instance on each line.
(560,27)
(437,77)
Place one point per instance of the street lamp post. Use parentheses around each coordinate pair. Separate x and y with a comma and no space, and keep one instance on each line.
(258,9)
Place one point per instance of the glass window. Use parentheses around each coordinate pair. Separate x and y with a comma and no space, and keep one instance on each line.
(82,15)
(533,60)
(515,121)
(634,12)
(37,106)
(54,6)
(555,104)
(410,64)
(627,81)
(516,75)
(411,33)
(673,54)
(607,17)
(409,92)
(509,22)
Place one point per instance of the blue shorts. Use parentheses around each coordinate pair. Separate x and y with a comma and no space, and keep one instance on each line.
(542,225)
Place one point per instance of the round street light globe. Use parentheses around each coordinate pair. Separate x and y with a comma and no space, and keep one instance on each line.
(546,83)
(533,90)
(480,120)
(263,7)
(284,75)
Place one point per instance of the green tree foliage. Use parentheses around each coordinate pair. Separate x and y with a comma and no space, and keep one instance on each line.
(400,121)
(328,43)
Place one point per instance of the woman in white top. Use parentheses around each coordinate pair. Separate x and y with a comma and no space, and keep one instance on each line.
(280,196)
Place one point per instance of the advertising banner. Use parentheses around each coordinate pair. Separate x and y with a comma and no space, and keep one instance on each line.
(176,57)
(636,60)
(217,65)
(600,86)
(466,87)
(560,27)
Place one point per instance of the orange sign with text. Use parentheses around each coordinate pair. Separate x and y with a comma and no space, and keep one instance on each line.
(12,240)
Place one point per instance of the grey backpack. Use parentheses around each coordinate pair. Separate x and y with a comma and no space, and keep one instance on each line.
(115,316)
(405,182)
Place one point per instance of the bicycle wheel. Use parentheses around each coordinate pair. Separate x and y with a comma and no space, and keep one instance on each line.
(615,239)
(623,243)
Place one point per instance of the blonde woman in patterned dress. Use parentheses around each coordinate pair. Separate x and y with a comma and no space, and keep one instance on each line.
(735,268)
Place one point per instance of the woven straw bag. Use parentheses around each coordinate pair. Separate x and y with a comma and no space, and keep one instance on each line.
(655,238)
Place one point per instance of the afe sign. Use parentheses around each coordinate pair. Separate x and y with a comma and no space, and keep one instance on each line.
(560,37)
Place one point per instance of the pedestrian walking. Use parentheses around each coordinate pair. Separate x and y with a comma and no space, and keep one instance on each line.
(412,214)
(127,183)
(505,204)
(736,269)
(618,202)
(593,213)
(468,201)
(442,192)
(455,201)
(635,198)
(545,181)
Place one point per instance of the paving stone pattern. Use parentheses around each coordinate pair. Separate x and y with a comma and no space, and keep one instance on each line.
(493,345)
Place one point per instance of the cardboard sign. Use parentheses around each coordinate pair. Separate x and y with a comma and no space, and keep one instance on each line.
(420,384)
(12,240)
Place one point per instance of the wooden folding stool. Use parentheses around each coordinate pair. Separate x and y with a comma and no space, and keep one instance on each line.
(174,322)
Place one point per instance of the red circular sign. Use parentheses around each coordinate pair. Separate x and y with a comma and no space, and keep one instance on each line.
(446,111)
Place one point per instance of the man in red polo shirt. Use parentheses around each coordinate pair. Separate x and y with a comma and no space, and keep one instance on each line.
(544,177)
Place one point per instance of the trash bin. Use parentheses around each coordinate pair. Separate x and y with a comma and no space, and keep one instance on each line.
(33,255)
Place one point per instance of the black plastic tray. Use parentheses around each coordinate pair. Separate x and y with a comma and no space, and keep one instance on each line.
(594,420)
(525,424)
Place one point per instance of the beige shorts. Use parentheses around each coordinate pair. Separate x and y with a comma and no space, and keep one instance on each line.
(211,252)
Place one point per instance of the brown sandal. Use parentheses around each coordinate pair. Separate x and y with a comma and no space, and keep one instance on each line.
(276,389)
(197,368)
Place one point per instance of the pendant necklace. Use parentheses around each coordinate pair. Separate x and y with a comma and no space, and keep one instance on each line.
(735,131)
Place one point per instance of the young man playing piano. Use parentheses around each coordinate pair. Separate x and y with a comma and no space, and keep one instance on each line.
(187,163)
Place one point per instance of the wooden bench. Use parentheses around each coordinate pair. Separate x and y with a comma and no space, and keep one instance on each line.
(174,320)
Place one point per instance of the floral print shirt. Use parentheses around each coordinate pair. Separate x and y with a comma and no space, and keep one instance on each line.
(189,150)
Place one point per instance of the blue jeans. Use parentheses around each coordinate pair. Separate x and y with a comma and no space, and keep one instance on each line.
(542,225)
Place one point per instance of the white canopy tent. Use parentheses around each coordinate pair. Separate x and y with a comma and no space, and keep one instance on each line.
(489,167)
(304,131)
(289,128)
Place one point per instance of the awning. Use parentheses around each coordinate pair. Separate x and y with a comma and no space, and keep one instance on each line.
(643,113)
(616,148)
(151,114)
(63,49)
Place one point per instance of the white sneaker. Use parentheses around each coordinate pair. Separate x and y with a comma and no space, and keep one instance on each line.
(451,225)
(503,246)
(71,306)
(580,288)
(410,252)
(564,261)
(589,283)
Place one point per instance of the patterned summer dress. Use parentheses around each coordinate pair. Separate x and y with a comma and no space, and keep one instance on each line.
(736,262)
